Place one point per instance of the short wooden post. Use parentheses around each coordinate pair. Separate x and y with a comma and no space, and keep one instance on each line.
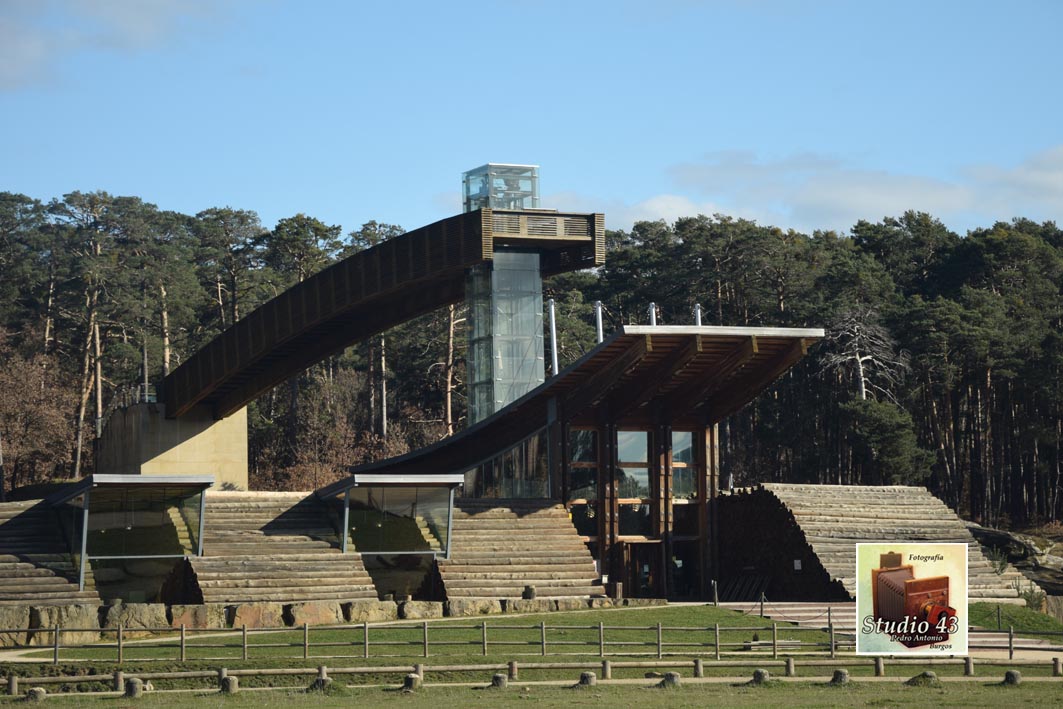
(1057,667)
(222,674)
(660,641)
(12,685)
(134,687)
(411,682)
(513,670)
(791,667)
(607,669)
(322,673)
(699,667)
(55,645)
(418,670)
(775,641)
(542,636)
(499,681)
(365,639)
(306,641)
(588,679)
(717,643)
(833,647)
(880,667)
(230,685)
(244,640)
(483,636)
(424,625)
(118,681)
(183,652)
(968,666)
(601,639)
(1011,642)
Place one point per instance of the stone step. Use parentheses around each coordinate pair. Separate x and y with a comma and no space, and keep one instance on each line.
(515,592)
(450,575)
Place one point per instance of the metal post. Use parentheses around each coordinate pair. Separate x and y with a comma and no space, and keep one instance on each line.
(553,340)
(306,641)
(84,540)
(660,643)
(450,524)
(483,636)
(244,643)
(653,313)
(599,330)
(697,314)
(202,517)
(182,642)
(717,641)
(346,518)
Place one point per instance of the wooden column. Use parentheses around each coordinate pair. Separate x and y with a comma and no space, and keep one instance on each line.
(556,442)
(706,455)
(662,446)
(609,523)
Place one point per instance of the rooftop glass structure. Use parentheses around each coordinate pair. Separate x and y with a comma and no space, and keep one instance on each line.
(501,186)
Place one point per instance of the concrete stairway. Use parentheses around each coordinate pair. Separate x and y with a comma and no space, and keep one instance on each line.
(36,566)
(833,518)
(278,547)
(500,546)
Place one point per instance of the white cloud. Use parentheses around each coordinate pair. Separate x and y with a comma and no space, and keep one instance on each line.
(809,191)
(36,34)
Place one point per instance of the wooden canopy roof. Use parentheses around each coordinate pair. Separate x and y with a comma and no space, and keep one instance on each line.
(640,376)
(368,293)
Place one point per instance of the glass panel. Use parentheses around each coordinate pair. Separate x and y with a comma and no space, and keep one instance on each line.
(132,580)
(685,519)
(631,446)
(585,519)
(683,447)
(685,569)
(684,483)
(583,484)
(399,519)
(583,446)
(633,482)
(141,521)
(521,471)
(635,520)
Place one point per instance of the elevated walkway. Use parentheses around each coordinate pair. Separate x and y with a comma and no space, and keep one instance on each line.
(502,546)
(279,547)
(36,567)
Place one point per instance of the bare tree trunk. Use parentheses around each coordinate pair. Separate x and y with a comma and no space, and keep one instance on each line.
(371,388)
(165,314)
(49,304)
(99,378)
(448,374)
(86,385)
(383,391)
(220,301)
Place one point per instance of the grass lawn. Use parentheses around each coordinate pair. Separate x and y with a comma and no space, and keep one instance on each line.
(1020,617)
(803,694)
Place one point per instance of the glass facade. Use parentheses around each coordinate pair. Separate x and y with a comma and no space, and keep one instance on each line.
(398,519)
(505,356)
(521,471)
(142,521)
(501,186)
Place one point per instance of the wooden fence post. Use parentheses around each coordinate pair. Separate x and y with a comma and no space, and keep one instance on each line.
(601,639)
(1011,642)
(55,646)
(660,643)
(483,636)
(425,625)
(775,641)
(365,639)
(244,640)
(306,641)
(830,627)
(542,636)
(183,652)
(717,643)
(12,685)
(121,645)
(513,670)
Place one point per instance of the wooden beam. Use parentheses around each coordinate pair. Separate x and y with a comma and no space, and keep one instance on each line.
(691,397)
(597,387)
(622,402)
(743,390)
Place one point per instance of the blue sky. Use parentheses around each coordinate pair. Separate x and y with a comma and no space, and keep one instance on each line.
(800,114)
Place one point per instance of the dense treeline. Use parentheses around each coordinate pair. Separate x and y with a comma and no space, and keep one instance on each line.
(941,365)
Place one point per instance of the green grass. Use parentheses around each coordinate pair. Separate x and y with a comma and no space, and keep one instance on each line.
(804,694)
(573,633)
(1021,618)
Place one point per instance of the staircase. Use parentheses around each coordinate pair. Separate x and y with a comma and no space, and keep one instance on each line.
(36,566)
(498,547)
(277,547)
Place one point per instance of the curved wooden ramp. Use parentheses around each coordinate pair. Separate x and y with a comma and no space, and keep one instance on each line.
(834,518)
